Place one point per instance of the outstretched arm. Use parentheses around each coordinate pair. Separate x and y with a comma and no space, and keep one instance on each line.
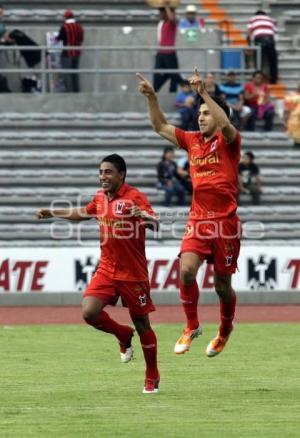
(157,118)
(73,214)
(228,130)
(150,221)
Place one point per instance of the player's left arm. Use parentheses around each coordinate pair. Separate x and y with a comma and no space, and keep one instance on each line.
(142,209)
(228,130)
(149,219)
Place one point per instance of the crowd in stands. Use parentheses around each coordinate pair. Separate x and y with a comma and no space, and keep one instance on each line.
(71,33)
(174,178)
(249,102)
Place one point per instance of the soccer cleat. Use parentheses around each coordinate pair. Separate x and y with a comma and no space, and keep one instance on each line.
(151,386)
(217,345)
(126,350)
(185,340)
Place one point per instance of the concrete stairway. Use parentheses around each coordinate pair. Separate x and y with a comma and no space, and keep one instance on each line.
(54,158)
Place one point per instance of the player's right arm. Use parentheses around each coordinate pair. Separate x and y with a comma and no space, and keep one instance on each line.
(157,118)
(72,214)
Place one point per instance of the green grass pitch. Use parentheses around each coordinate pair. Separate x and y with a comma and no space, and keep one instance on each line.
(67,381)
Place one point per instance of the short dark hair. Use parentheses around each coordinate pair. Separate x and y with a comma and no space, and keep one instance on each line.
(166,150)
(220,102)
(257,72)
(184,82)
(163,9)
(117,161)
(250,155)
(260,12)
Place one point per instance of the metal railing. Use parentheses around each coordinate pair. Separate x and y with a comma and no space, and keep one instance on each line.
(204,53)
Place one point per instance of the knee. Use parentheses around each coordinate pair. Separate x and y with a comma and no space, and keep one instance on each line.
(89,314)
(223,287)
(220,287)
(141,324)
(187,276)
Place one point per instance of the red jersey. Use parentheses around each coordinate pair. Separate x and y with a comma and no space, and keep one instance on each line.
(122,236)
(214,173)
(166,35)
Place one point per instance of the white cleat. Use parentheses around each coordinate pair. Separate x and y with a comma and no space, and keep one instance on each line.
(126,354)
(151,386)
(126,350)
(185,340)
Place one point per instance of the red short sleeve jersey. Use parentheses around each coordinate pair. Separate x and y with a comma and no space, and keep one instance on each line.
(214,173)
(250,88)
(122,236)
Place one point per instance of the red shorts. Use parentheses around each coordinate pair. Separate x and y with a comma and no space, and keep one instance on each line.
(134,294)
(215,240)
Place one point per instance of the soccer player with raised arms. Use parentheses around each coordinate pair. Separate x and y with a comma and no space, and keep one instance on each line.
(123,213)
(213,230)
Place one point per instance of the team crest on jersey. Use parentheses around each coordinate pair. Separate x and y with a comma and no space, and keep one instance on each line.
(213,146)
(119,207)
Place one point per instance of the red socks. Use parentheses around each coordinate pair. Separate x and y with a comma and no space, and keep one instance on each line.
(189,298)
(227,309)
(108,325)
(123,333)
(149,345)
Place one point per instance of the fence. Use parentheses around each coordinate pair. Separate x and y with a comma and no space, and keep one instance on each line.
(104,61)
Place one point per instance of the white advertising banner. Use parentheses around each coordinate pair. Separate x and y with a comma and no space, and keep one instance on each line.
(269,268)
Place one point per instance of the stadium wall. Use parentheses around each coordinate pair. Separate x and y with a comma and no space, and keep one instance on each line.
(57,276)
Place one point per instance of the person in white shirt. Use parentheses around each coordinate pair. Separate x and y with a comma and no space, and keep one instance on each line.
(261,32)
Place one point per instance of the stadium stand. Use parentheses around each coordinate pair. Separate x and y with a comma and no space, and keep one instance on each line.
(53,154)
(66,171)
(102,16)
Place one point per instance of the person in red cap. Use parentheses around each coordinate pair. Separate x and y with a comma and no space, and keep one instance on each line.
(71,34)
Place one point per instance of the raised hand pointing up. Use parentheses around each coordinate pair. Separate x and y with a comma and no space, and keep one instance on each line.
(197,83)
(144,86)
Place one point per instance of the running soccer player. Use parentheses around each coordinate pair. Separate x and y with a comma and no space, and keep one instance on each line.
(213,230)
(123,213)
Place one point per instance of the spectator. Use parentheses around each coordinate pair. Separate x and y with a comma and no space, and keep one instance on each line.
(185,102)
(166,59)
(183,170)
(3,81)
(292,102)
(4,85)
(258,99)
(71,34)
(191,21)
(211,87)
(168,178)
(17,37)
(32,58)
(2,24)
(249,180)
(234,95)
(262,30)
